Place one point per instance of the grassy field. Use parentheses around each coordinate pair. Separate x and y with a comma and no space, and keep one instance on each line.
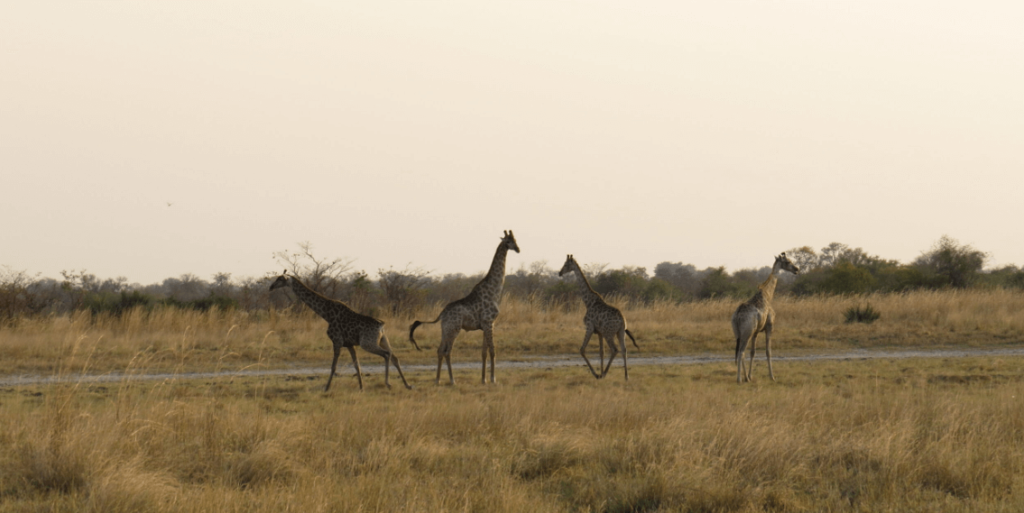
(876,435)
(911,435)
(174,340)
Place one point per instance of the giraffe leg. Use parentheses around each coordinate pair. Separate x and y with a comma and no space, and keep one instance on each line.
(739,360)
(398,366)
(440,358)
(448,363)
(611,358)
(441,348)
(750,368)
(600,350)
(768,350)
(622,344)
(740,347)
(583,352)
(489,344)
(483,368)
(444,352)
(355,361)
(376,342)
(394,360)
(334,366)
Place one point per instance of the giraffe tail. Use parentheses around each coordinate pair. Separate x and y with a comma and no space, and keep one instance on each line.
(633,339)
(412,329)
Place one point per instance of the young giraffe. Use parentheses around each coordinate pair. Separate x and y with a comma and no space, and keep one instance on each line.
(346,328)
(601,318)
(477,311)
(755,316)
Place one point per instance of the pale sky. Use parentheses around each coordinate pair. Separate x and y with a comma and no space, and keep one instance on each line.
(396,133)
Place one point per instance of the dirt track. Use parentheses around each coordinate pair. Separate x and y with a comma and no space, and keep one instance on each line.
(538,363)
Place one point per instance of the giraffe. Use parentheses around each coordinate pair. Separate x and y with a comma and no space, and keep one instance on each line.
(601,318)
(346,328)
(476,311)
(756,315)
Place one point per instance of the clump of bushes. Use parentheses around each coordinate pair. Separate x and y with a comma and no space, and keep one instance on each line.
(867,315)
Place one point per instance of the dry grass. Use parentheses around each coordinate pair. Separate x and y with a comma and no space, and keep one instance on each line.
(918,435)
(173,340)
(907,435)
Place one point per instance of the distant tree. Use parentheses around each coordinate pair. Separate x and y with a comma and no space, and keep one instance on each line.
(718,283)
(15,299)
(847,278)
(629,281)
(1009,276)
(404,291)
(684,278)
(530,282)
(187,287)
(900,278)
(952,264)
(326,276)
(362,295)
(451,287)
(77,285)
(254,294)
(748,278)
(222,285)
(838,269)
(562,293)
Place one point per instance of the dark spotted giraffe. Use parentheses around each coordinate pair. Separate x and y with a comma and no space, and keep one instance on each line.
(476,311)
(346,328)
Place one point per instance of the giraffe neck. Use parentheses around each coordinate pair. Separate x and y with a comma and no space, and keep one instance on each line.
(587,293)
(767,288)
(314,301)
(490,286)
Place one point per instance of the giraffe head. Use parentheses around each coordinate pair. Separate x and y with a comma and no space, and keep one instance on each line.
(281,281)
(783,262)
(510,241)
(569,266)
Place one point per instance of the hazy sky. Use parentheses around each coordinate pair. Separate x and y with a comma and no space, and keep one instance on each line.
(397,133)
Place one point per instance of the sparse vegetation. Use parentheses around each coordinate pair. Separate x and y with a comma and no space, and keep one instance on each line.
(833,436)
(837,269)
(170,338)
(907,435)
(866,315)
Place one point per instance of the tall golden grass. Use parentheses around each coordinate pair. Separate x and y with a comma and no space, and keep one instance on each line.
(182,340)
(920,435)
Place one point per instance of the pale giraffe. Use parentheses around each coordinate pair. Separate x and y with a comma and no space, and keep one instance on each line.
(601,318)
(757,315)
(346,328)
(476,311)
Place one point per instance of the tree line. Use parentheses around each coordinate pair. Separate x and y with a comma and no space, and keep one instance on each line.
(834,269)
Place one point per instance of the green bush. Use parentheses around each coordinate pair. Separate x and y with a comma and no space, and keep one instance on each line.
(867,315)
(115,303)
(203,304)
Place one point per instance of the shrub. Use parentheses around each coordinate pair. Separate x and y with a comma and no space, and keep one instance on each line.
(867,315)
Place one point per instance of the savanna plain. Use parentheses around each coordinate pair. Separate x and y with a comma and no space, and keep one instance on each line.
(906,434)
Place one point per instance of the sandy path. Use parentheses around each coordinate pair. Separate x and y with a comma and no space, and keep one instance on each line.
(536,363)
